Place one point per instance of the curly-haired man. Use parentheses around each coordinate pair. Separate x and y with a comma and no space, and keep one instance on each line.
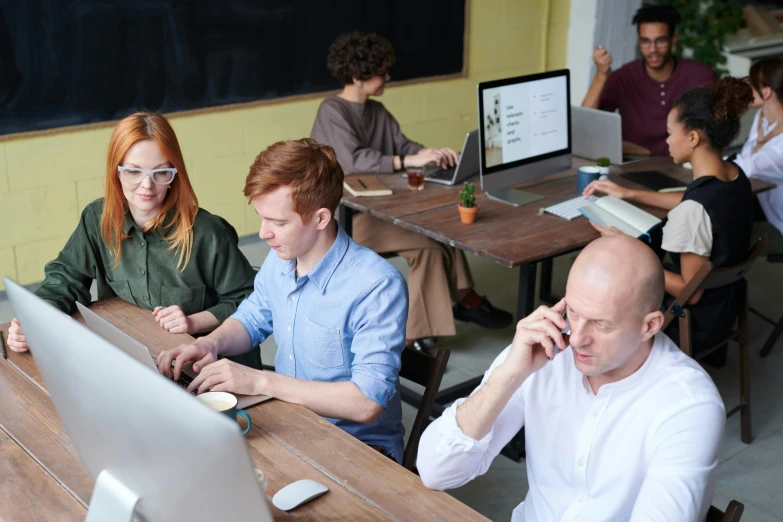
(367,138)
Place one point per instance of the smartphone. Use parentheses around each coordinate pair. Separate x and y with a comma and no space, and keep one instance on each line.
(566,334)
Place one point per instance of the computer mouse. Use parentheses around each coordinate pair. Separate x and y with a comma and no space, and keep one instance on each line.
(297,493)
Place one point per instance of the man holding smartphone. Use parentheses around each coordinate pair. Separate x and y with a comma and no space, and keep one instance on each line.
(621,425)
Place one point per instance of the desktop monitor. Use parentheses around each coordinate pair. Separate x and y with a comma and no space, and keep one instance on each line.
(525,132)
(155,451)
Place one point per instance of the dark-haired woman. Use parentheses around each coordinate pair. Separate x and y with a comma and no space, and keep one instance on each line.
(713,218)
(762,155)
(366,138)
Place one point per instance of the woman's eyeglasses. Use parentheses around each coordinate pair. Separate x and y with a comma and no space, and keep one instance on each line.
(134,175)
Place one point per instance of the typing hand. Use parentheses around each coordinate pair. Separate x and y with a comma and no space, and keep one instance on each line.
(449,158)
(603,60)
(611,231)
(610,188)
(173,319)
(537,338)
(16,339)
(203,351)
(228,376)
(424,157)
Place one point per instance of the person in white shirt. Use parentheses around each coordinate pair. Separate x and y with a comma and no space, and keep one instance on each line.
(620,425)
(762,155)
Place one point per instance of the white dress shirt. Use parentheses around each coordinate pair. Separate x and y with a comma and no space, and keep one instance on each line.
(766,164)
(643,448)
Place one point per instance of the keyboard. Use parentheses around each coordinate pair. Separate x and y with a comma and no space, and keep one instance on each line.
(569,209)
(443,174)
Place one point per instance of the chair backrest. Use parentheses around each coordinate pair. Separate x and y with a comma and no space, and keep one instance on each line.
(427,371)
(730,274)
(707,277)
(733,513)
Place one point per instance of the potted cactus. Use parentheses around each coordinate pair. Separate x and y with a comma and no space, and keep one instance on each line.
(468,208)
(603,167)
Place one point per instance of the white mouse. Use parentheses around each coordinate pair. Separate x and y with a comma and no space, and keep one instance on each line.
(297,493)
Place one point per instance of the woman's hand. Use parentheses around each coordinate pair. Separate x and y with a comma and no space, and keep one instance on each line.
(610,188)
(611,231)
(173,319)
(16,339)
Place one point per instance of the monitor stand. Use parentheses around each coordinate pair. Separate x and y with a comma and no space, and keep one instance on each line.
(111,500)
(513,196)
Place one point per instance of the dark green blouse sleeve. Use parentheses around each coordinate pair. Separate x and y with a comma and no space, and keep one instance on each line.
(67,279)
(233,275)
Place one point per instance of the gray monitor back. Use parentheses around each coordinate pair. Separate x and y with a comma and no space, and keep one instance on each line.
(135,433)
(596,134)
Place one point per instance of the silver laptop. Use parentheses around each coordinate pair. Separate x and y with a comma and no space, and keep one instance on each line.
(467,166)
(141,353)
(155,452)
(598,134)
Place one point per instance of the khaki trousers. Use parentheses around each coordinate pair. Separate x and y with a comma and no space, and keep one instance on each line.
(439,274)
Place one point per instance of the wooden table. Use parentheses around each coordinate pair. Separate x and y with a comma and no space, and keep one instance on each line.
(41,477)
(510,236)
(515,237)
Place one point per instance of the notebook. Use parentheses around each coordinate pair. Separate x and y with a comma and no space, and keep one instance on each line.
(366,185)
(609,211)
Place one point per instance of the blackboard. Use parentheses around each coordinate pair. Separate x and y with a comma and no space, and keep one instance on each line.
(71,62)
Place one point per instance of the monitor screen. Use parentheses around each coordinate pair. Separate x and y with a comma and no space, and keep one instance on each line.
(524,119)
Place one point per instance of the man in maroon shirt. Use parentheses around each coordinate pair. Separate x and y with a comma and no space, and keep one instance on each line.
(645,90)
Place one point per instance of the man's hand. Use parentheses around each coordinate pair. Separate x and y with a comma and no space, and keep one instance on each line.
(603,60)
(203,351)
(610,188)
(173,319)
(16,339)
(536,341)
(228,376)
(442,157)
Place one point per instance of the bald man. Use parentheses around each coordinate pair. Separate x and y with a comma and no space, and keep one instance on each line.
(619,423)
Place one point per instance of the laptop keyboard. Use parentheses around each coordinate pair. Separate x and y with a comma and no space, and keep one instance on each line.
(444,174)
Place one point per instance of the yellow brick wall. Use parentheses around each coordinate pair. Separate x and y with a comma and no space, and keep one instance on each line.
(45,181)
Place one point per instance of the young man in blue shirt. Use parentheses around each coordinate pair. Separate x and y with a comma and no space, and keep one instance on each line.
(337,310)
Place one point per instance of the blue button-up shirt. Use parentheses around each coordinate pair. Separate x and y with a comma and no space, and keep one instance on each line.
(342,321)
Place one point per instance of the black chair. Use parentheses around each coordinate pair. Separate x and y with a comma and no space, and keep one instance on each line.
(778,331)
(733,513)
(425,370)
(707,278)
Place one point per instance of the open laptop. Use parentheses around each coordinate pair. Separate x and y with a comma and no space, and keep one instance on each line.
(141,353)
(154,452)
(467,165)
(598,134)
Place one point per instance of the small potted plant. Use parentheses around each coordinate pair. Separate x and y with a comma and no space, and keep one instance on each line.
(603,167)
(468,208)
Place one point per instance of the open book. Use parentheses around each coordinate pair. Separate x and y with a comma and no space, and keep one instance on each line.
(613,212)
(366,185)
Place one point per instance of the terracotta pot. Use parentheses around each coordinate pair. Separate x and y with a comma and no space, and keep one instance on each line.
(468,215)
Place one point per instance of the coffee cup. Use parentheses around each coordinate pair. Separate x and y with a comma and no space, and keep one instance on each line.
(226,404)
(586,175)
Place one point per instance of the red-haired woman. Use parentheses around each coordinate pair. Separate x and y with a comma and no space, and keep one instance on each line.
(148,242)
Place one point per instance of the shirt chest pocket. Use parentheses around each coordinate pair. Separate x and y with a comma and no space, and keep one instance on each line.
(322,346)
(189,299)
(122,290)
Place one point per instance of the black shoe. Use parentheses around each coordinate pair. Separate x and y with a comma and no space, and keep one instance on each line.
(419,345)
(485,315)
